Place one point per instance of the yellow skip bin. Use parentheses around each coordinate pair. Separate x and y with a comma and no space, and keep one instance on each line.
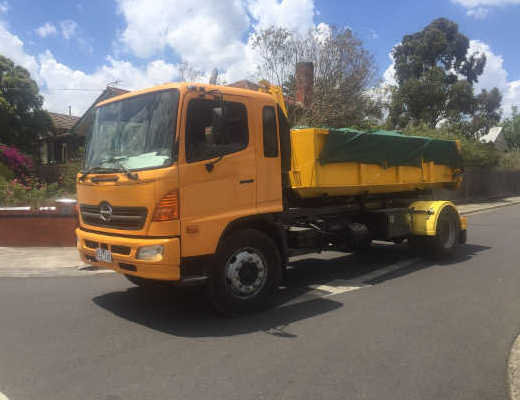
(311,177)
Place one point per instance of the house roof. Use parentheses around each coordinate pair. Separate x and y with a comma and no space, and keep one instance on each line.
(495,136)
(245,84)
(63,122)
(492,135)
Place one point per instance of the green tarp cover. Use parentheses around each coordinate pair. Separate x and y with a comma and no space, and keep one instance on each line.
(387,148)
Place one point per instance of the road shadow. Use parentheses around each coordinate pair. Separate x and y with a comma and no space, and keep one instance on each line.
(322,270)
(464,253)
(186,312)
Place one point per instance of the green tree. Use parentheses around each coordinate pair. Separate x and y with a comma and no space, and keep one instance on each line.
(435,77)
(512,131)
(21,114)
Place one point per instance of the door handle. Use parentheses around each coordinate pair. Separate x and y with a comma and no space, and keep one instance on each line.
(247,181)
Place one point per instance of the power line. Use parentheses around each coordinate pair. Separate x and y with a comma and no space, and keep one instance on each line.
(78,90)
(59,89)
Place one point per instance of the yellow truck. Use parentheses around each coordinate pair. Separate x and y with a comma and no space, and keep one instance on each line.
(205,184)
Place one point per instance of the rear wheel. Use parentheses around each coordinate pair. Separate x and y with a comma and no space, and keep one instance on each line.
(446,240)
(246,273)
(447,236)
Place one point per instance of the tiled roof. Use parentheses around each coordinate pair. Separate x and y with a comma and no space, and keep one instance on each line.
(245,84)
(113,91)
(63,122)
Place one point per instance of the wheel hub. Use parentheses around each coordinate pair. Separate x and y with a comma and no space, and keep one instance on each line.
(246,273)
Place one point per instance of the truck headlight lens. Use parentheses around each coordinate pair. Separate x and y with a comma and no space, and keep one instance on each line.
(149,252)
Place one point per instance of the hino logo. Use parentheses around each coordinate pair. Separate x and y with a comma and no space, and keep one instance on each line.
(105,212)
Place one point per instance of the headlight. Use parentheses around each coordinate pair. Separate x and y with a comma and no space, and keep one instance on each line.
(149,252)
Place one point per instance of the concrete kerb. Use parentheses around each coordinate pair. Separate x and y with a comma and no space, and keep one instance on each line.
(468,209)
(513,365)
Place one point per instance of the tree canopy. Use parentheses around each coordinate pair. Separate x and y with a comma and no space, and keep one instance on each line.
(435,77)
(512,131)
(343,73)
(21,115)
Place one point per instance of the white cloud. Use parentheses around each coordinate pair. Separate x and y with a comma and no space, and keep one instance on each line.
(295,15)
(208,33)
(46,29)
(4,7)
(479,9)
(478,13)
(68,28)
(50,75)
(389,74)
(495,75)
(204,33)
(11,46)
(55,75)
(488,3)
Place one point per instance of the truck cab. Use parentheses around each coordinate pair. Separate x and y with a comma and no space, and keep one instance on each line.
(168,170)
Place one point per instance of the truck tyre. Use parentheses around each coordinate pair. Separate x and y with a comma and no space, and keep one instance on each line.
(362,243)
(246,273)
(447,236)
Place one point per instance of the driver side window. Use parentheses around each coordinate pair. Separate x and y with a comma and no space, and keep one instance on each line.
(206,139)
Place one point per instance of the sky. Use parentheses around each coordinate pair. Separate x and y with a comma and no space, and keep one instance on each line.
(75,48)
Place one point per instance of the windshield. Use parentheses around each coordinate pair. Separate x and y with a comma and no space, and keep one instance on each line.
(132,134)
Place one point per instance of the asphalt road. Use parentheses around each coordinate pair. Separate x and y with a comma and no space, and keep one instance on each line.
(411,330)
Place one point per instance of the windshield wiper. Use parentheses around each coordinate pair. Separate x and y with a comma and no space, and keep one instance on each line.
(128,173)
(117,160)
(92,170)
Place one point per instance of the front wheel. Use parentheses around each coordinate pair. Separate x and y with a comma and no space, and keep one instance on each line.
(246,273)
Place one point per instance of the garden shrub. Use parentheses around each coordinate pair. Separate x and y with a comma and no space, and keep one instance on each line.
(19,163)
(474,153)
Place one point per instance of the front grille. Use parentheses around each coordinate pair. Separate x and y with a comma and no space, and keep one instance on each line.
(128,218)
(124,250)
(116,249)
(90,244)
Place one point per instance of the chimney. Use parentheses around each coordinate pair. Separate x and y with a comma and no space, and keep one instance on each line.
(304,83)
(70,111)
(213,77)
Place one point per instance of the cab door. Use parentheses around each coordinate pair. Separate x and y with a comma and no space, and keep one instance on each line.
(217,169)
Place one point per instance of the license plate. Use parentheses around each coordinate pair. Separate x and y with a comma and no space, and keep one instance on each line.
(103,255)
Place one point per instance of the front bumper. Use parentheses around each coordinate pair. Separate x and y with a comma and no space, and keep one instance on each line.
(124,250)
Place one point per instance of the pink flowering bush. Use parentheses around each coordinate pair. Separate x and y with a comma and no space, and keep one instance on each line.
(16,193)
(15,160)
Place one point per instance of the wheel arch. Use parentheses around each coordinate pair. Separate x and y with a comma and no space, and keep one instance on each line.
(266,224)
(424,216)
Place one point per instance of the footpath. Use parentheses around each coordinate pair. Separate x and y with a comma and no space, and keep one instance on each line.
(64,261)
